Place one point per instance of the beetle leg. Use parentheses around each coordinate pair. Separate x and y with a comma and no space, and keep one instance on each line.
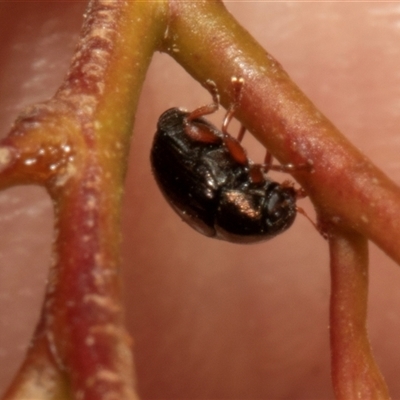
(233,145)
(209,108)
(268,166)
(267,162)
(291,167)
(205,135)
(237,84)
(256,173)
(236,150)
(202,133)
(241,133)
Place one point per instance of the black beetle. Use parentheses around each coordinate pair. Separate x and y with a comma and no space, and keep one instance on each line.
(208,180)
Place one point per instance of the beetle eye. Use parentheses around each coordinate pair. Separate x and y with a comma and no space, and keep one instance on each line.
(279,206)
(276,205)
(273,205)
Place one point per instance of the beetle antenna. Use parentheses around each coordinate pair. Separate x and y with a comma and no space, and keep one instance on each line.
(320,231)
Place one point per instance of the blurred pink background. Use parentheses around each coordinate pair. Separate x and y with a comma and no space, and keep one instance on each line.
(211,319)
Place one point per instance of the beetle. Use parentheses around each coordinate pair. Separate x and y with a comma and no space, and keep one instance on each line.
(207,178)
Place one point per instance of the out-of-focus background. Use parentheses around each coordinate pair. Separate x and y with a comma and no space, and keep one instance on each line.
(212,319)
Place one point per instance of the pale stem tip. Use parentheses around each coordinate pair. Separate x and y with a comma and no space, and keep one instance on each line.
(6,157)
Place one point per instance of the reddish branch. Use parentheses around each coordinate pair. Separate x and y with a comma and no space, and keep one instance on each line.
(346,188)
(76,145)
(354,372)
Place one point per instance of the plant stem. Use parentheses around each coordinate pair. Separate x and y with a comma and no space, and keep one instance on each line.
(355,374)
(345,187)
(76,145)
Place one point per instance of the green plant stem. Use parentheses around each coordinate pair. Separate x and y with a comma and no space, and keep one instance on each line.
(354,372)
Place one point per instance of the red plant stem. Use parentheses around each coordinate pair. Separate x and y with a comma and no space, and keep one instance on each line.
(83,307)
(76,145)
(354,372)
(346,188)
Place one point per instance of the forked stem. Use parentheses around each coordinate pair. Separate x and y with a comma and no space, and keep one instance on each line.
(79,141)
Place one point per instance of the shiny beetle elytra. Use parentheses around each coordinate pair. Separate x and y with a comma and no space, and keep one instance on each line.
(206,176)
